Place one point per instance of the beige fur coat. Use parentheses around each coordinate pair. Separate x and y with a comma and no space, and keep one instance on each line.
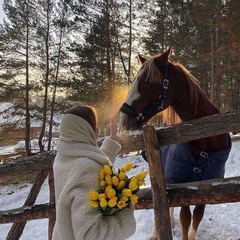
(76,172)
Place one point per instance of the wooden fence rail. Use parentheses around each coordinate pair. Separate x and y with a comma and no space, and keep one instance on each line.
(207,192)
(186,131)
(213,192)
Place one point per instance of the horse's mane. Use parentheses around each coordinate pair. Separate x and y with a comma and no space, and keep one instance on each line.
(154,75)
(169,115)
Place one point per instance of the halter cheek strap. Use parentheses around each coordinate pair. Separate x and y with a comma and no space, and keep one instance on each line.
(153,108)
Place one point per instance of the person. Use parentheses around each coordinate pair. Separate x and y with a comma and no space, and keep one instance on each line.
(76,172)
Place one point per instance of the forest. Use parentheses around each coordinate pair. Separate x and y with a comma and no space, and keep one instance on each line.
(55,53)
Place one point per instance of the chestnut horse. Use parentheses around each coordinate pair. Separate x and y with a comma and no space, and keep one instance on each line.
(163,85)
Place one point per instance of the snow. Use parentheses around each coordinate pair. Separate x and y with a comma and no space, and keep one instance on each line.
(220,222)
(7,117)
(5,106)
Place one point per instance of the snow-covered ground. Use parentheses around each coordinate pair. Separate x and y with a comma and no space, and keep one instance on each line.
(221,222)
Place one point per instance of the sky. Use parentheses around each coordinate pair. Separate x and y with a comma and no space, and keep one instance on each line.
(1,12)
(220,222)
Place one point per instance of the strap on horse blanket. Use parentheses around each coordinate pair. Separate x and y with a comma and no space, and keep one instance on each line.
(181,166)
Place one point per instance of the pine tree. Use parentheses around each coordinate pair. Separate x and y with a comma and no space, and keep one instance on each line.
(16,37)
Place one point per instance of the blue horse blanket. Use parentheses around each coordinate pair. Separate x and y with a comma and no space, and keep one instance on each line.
(181,166)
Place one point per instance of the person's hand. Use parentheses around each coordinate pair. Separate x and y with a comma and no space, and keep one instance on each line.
(113,128)
(131,206)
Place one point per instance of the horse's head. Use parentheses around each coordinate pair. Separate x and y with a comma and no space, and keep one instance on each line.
(149,93)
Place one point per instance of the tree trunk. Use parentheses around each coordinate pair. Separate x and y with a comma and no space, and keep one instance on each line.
(45,104)
(27,120)
(130,41)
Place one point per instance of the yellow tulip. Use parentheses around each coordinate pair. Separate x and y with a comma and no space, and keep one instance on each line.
(107,170)
(111,193)
(122,175)
(121,185)
(126,192)
(133,186)
(103,202)
(101,175)
(121,204)
(108,180)
(94,204)
(141,183)
(112,202)
(133,179)
(122,169)
(140,176)
(101,196)
(134,199)
(93,195)
(115,180)
(107,188)
(102,183)
(128,166)
(123,198)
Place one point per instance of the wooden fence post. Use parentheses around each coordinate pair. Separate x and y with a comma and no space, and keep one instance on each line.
(17,228)
(160,199)
(52,219)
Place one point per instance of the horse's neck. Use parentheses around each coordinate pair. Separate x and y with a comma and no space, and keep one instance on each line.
(203,108)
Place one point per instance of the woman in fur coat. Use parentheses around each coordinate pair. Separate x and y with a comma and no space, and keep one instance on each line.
(76,173)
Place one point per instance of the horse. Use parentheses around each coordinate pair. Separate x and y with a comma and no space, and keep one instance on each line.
(163,86)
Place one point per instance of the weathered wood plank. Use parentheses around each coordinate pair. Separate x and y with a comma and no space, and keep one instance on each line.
(23,214)
(187,131)
(213,191)
(52,218)
(160,198)
(17,228)
(208,192)
(30,164)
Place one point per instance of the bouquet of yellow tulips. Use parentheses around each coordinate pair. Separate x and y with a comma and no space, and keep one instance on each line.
(116,190)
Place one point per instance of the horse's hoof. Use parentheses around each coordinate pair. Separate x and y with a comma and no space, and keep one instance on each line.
(192,234)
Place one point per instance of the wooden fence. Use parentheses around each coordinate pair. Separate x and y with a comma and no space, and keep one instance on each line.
(208,192)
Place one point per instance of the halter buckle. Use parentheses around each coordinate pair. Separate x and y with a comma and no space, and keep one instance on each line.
(140,117)
(165,83)
(203,154)
(161,107)
(197,170)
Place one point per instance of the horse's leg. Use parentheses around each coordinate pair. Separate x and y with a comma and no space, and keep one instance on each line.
(185,218)
(171,212)
(154,233)
(198,213)
(172,220)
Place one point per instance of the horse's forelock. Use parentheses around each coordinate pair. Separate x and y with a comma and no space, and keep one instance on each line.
(152,72)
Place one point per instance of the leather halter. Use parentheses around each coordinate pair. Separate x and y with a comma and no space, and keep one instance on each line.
(153,108)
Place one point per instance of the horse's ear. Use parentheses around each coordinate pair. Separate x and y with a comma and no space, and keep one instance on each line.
(141,59)
(168,52)
(163,58)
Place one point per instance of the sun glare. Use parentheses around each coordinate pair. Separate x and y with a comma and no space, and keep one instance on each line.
(110,109)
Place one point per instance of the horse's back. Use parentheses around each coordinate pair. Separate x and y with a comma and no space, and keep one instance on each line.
(185,163)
